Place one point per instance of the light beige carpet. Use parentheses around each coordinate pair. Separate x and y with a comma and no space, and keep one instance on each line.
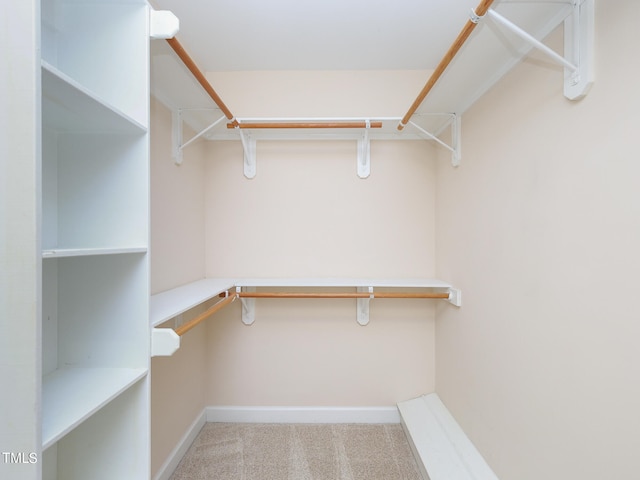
(232,451)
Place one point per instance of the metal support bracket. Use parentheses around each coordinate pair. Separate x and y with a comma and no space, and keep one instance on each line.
(456,138)
(578,47)
(364,153)
(248,306)
(177,145)
(362,307)
(249,147)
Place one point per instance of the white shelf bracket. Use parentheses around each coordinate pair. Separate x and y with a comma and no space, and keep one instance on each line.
(164,342)
(456,138)
(163,24)
(578,46)
(364,153)
(362,308)
(455,297)
(248,306)
(177,137)
(249,147)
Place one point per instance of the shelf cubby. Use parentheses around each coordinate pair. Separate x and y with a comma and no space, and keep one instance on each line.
(101,46)
(94,337)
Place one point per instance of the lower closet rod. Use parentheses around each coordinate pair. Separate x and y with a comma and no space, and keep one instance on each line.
(184,328)
(340,295)
(301,125)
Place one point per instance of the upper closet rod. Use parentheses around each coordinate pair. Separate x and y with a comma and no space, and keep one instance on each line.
(193,68)
(480,10)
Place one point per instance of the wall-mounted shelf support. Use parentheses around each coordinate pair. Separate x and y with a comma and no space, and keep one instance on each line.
(364,153)
(579,32)
(456,138)
(578,47)
(249,147)
(177,124)
(362,307)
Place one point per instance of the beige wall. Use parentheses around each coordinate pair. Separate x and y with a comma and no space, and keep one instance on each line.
(539,227)
(177,208)
(177,257)
(307,214)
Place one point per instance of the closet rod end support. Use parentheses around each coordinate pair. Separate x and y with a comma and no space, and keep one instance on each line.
(455,297)
(163,24)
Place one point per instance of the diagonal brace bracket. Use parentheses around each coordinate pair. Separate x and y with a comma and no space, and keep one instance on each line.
(578,46)
(177,145)
(456,138)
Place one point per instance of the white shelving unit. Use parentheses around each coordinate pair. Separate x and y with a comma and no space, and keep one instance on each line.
(94,237)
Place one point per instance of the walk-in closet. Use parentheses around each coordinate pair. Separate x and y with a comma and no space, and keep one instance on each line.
(351,240)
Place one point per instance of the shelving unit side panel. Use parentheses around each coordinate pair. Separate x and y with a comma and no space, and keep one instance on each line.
(103,45)
(103,311)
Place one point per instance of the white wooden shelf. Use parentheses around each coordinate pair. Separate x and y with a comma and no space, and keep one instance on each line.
(68,106)
(323,282)
(87,252)
(166,305)
(71,395)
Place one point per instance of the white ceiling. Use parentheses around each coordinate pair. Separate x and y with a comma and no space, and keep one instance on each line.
(232,35)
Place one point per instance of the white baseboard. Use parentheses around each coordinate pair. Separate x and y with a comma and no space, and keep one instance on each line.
(169,466)
(231,414)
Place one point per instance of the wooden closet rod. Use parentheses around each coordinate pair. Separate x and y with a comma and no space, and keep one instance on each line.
(480,10)
(202,80)
(340,295)
(257,125)
(184,328)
